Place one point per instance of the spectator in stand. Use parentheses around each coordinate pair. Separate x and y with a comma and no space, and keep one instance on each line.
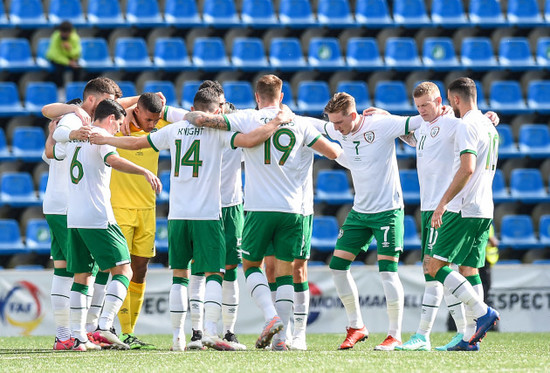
(64,52)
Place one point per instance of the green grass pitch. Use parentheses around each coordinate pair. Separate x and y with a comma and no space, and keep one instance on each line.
(499,352)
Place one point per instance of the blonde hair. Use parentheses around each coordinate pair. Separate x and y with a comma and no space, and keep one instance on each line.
(426,88)
(269,87)
(341,102)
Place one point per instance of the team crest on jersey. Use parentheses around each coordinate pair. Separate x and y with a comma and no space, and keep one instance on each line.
(154,130)
(434,131)
(340,233)
(369,137)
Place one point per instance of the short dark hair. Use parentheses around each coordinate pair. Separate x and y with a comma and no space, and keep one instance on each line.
(98,86)
(206,100)
(464,87)
(269,87)
(65,26)
(214,84)
(150,102)
(108,107)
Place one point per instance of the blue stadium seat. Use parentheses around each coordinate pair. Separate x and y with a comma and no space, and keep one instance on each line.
(324,233)
(448,13)
(534,140)
(286,54)
(334,13)
(15,55)
(324,54)
(95,55)
(37,236)
(392,96)
(486,13)
(507,262)
(128,88)
(259,13)
(543,50)
(516,232)
(248,54)
(363,54)
(402,53)
(481,100)
(514,53)
(74,90)
(209,54)
(28,143)
(359,91)
(131,54)
(10,238)
(171,54)
(410,186)
(372,13)
(38,94)
(27,14)
(288,97)
(500,191)
(17,190)
(507,146)
(164,196)
(439,53)
(411,239)
(161,235)
(105,14)
(332,187)
(166,87)
(312,97)
(189,89)
(544,229)
(4,22)
(477,53)
(547,11)
(538,95)
(506,97)
(60,10)
(220,13)
(524,12)
(10,104)
(296,13)
(410,13)
(41,50)
(239,94)
(143,13)
(527,186)
(43,183)
(182,13)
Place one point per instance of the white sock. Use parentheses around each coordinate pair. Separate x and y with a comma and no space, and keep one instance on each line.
(469,315)
(456,309)
(78,315)
(461,288)
(212,307)
(197,286)
(347,291)
(230,305)
(433,294)
(259,291)
(116,292)
(283,305)
(178,309)
(395,300)
(301,310)
(60,297)
(479,290)
(96,304)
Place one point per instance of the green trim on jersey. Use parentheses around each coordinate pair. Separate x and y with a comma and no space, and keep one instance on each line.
(469,151)
(326,132)
(407,125)
(227,122)
(165,114)
(314,141)
(54,157)
(107,156)
(233,141)
(151,143)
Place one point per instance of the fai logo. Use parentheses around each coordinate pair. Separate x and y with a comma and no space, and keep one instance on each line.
(369,137)
(434,131)
(21,307)
(340,233)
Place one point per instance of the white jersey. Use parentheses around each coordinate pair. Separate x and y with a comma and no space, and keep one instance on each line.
(274,170)
(89,200)
(434,158)
(232,183)
(479,137)
(195,175)
(308,156)
(55,197)
(370,152)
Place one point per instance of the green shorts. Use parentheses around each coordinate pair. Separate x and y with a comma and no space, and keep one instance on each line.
(305,250)
(106,247)
(459,240)
(359,229)
(233,222)
(200,240)
(282,229)
(58,233)
(426,230)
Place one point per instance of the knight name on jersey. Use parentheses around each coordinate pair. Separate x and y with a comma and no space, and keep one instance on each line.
(193,131)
